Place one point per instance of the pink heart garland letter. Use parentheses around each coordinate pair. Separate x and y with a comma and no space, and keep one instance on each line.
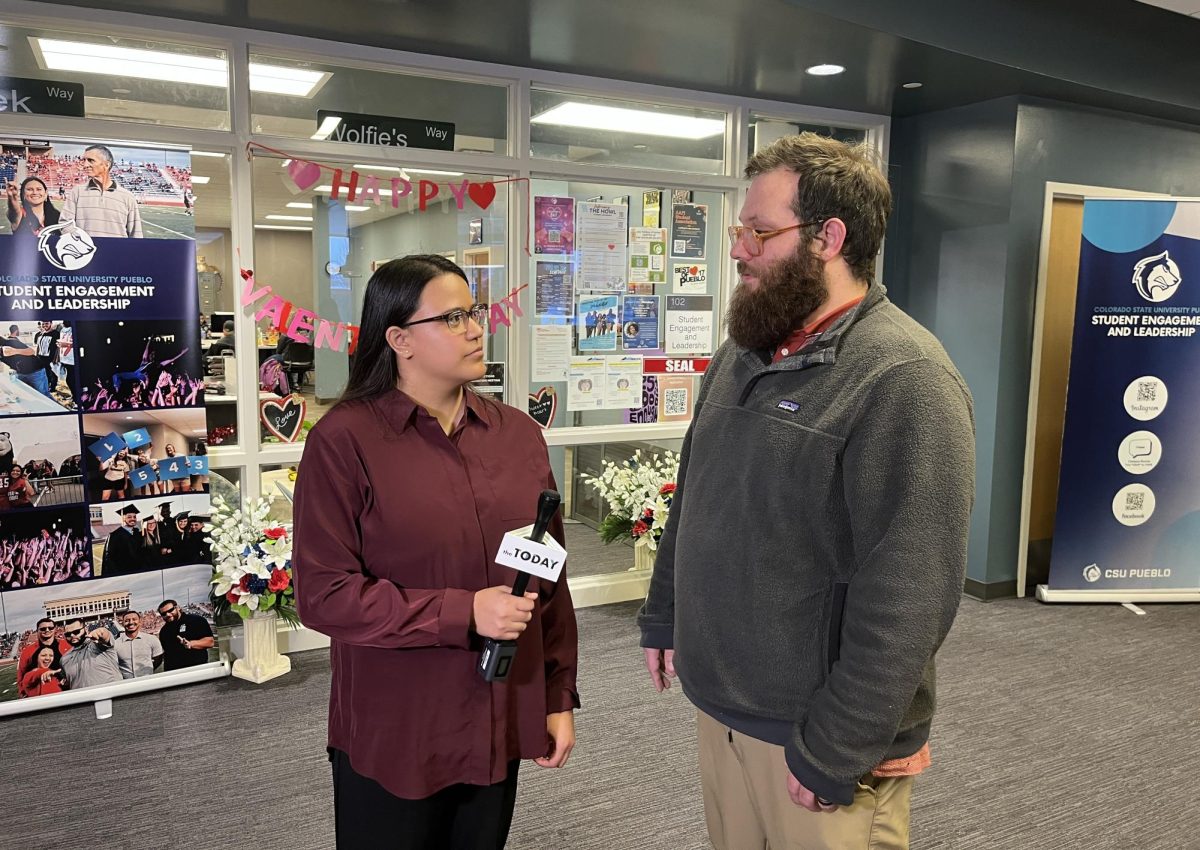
(304,174)
(482,194)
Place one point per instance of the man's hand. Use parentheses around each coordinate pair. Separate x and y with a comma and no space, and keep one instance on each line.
(496,613)
(561,727)
(801,796)
(661,664)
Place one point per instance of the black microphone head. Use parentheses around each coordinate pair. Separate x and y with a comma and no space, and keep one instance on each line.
(548,503)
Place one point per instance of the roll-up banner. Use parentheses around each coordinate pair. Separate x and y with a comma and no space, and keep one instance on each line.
(1128,520)
(104,572)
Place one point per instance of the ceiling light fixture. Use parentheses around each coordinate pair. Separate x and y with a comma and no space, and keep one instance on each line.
(55,54)
(275,217)
(911,85)
(326,129)
(297,205)
(620,120)
(199,180)
(824,70)
(280,227)
(208,153)
(350,208)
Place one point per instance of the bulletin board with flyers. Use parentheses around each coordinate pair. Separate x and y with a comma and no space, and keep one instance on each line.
(623,311)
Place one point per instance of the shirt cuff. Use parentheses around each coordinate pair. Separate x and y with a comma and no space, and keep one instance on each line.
(454,620)
(561,699)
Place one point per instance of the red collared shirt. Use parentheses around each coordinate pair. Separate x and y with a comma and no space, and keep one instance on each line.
(396,527)
(811,331)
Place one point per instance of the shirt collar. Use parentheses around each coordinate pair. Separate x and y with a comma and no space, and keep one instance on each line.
(401,411)
(93,183)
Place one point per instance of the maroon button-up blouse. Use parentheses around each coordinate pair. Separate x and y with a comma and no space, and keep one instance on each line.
(396,527)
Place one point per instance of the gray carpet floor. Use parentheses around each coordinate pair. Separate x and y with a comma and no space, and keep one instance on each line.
(1059,727)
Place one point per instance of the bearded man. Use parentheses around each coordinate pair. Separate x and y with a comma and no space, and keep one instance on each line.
(814,556)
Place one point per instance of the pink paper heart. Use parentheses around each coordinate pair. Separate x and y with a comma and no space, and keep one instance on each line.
(612,246)
(482,194)
(304,174)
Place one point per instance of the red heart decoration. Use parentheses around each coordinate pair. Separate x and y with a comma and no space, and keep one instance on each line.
(283,417)
(694,270)
(482,194)
(542,406)
(612,246)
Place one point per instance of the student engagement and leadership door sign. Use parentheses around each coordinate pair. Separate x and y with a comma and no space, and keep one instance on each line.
(1129,485)
(104,479)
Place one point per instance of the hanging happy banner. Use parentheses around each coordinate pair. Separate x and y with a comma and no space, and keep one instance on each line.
(306,174)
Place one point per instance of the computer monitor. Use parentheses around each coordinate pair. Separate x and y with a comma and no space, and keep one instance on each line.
(217,322)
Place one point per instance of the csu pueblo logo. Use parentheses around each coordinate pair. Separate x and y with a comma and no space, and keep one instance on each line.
(1091,573)
(1156,278)
(66,246)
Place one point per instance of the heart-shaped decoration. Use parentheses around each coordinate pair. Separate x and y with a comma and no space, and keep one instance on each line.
(612,246)
(304,174)
(694,270)
(283,417)
(482,194)
(542,406)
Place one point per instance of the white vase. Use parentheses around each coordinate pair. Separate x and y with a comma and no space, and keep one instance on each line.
(261,659)
(643,555)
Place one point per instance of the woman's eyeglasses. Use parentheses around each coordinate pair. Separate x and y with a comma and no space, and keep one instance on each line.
(456,320)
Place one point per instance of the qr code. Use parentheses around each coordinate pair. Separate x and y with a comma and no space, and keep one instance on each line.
(1134,501)
(1147,391)
(553,237)
(680,247)
(675,401)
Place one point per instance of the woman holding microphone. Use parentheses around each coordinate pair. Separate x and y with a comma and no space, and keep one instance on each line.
(405,491)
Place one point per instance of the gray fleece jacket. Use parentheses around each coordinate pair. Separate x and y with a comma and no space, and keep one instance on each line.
(814,556)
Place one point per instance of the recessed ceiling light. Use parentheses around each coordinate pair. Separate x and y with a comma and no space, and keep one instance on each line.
(207,153)
(350,208)
(327,127)
(289,218)
(824,70)
(280,227)
(90,58)
(911,85)
(297,205)
(199,180)
(640,121)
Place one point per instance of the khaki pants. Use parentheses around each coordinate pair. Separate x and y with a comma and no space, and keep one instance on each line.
(747,807)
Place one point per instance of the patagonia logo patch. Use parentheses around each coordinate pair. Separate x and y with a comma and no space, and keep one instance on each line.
(788,405)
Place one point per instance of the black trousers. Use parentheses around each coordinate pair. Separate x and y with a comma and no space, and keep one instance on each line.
(461,817)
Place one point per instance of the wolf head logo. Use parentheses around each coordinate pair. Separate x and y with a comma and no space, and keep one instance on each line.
(66,246)
(1157,277)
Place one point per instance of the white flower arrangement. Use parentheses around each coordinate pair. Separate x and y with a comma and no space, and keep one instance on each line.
(639,493)
(252,560)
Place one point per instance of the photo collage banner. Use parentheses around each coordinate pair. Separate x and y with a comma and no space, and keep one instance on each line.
(104,478)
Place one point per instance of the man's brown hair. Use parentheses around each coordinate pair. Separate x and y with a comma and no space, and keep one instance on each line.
(835,180)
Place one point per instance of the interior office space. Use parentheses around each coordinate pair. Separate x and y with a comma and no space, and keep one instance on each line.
(985,112)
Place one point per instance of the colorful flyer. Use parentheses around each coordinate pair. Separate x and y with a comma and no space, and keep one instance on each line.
(554,291)
(553,225)
(596,323)
(585,385)
(647,256)
(689,228)
(639,322)
(551,352)
(647,413)
(652,209)
(689,324)
(675,398)
(689,278)
(623,382)
(603,263)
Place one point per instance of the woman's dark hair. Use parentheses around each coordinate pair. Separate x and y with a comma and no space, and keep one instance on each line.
(49,213)
(33,659)
(393,295)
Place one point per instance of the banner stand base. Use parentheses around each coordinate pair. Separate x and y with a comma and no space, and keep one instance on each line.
(1045,593)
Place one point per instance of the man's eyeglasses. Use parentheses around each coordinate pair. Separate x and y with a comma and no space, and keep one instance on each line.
(456,320)
(46,628)
(754,239)
(167,611)
(73,632)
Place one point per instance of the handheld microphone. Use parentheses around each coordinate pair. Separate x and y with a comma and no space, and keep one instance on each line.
(496,660)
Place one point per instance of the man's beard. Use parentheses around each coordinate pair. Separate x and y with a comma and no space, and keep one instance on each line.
(788,292)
